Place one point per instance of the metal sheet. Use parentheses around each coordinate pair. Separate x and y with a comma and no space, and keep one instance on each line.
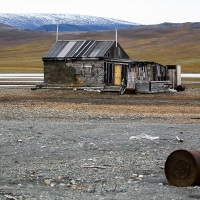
(63,52)
(80,48)
(55,50)
(142,87)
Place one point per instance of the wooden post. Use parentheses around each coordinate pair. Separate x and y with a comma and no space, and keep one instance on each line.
(57,33)
(178,75)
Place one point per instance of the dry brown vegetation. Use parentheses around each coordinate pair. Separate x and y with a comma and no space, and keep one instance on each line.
(180,107)
(22,50)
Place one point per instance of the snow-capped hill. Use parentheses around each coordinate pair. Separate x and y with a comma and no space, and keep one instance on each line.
(34,21)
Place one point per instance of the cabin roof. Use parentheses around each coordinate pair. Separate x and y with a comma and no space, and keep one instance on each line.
(131,61)
(79,49)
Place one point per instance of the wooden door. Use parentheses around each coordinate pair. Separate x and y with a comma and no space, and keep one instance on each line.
(117,74)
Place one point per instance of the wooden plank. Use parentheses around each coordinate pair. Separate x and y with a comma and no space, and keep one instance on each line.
(131,80)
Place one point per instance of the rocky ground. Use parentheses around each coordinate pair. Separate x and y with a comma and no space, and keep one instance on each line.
(64,144)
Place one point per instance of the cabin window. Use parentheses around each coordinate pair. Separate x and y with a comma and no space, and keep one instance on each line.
(87,70)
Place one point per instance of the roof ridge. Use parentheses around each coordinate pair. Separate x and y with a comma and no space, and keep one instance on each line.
(87,40)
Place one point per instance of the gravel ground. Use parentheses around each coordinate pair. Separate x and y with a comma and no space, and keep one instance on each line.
(59,145)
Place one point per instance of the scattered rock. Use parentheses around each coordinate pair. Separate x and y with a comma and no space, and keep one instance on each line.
(48,181)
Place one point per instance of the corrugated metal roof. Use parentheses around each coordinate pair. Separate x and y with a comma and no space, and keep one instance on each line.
(79,49)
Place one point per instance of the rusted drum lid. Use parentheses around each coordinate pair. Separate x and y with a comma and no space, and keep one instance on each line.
(181,169)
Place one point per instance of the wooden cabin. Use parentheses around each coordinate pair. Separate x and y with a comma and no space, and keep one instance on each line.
(79,63)
(103,64)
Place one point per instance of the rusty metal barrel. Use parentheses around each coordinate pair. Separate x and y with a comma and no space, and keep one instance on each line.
(182,168)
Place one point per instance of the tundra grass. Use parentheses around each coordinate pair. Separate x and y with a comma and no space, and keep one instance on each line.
(167,46)
(26,57)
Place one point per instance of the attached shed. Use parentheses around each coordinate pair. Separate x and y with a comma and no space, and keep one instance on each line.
(105,64)
(136,75)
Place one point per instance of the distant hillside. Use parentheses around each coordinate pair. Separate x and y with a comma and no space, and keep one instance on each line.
(68,22)
(22,50)
(79,28)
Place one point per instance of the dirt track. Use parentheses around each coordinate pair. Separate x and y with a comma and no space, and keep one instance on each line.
(76,145)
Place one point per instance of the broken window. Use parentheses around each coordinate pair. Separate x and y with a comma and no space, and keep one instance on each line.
(87,70)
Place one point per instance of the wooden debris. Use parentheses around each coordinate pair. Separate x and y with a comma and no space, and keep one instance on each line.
(93,166)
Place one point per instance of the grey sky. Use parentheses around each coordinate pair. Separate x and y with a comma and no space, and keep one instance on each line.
(139,11)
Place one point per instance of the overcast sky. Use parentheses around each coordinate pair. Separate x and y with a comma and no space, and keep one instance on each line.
(139,11)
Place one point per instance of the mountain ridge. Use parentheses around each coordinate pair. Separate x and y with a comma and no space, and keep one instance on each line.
(45,22)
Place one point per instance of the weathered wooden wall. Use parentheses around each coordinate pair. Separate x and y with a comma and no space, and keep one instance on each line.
(150,72)
(150,77)
(174,75)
